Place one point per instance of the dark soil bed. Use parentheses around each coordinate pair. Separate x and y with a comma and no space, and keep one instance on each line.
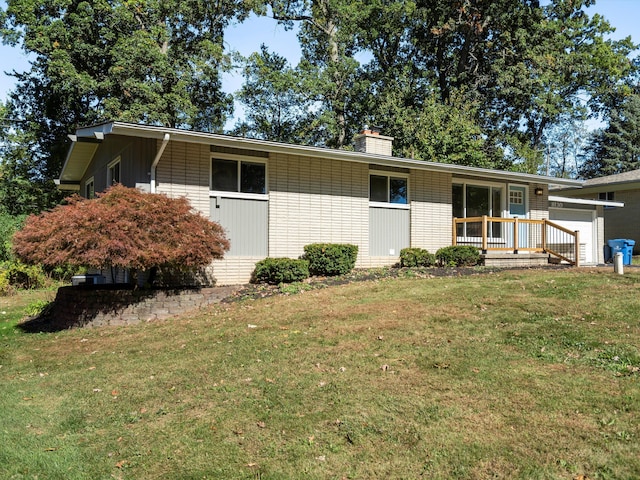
(255,291)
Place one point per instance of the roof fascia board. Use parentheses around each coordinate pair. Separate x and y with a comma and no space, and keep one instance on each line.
(318,152)
(584,201)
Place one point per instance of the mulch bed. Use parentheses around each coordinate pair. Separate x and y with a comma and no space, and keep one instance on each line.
(255,291)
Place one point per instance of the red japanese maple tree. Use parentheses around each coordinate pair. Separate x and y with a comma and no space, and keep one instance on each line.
(123,227)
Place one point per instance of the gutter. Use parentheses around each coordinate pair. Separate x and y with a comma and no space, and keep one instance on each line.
(584,201)
(156,160)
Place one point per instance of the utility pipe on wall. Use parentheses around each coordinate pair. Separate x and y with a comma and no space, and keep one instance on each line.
(156,160)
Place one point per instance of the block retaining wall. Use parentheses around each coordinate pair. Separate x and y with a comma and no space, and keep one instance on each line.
(96,306)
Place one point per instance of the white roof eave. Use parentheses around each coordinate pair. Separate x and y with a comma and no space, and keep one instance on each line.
(158,132)
(584,201)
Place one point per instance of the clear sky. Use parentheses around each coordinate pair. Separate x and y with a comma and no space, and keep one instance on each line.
(246,38)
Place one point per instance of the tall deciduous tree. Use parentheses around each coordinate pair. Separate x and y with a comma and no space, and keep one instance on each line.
(331,74)
(157,62)
(277,106)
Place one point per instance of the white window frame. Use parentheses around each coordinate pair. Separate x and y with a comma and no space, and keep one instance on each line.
(90,181)
(389,175)
(482,183)
(110,166)
(606,198)
(239,159)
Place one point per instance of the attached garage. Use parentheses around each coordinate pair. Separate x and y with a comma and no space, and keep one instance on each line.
(586,217)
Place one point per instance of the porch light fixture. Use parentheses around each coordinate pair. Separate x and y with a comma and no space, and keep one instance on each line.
(538,191)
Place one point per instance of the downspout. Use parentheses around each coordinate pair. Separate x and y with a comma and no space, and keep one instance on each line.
(154,165)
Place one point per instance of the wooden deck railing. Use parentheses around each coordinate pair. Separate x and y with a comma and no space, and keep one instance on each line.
(518,235)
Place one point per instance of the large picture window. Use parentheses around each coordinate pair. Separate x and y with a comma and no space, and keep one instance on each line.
(475,201)
(238,176)
(388,189)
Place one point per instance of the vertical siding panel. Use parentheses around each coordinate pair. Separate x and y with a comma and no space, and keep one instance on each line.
(389,231)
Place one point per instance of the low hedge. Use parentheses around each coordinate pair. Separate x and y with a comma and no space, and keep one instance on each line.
(330,259)
(281,270)
(458,256)
(416,257)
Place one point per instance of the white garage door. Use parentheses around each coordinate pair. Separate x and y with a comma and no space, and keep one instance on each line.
(584,222)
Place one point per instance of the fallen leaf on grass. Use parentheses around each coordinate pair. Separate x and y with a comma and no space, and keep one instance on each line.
(261,425)
(384,368)
(51,449)
(441,365)
(121,463)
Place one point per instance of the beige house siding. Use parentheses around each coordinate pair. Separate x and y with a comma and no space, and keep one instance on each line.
(313,200)
(538,204)
(183,171)
(431,211)
(234,270)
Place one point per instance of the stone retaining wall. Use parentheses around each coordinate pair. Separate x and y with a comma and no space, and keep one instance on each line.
(100,305)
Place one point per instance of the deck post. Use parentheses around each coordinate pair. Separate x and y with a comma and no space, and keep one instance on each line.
(577,248)
(544,235)
(515,235)
(454,237)
(485,243)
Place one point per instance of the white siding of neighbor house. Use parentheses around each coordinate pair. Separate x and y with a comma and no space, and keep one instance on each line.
(183,171)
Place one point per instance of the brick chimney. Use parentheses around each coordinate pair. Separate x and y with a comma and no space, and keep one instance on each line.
(370,141)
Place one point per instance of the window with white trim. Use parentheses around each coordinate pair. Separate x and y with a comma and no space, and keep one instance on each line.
(388,188)
(89,188)
(242,176)
(113,172)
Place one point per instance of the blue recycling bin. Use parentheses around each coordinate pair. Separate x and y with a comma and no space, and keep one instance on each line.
(623,246)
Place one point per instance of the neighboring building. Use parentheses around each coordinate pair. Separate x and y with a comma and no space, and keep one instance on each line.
(622,189)
(274,198)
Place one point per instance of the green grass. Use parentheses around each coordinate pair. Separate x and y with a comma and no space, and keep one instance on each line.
(519,374)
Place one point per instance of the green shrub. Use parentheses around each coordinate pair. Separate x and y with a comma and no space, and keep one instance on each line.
(458,256)
(416,257)
(5,288)
(281,270)
(330,258)
(21,276)
(9,224)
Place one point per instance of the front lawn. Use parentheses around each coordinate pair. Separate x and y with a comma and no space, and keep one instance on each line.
(530,374)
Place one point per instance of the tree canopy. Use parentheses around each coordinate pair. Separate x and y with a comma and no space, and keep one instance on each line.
(145,61)
(123,227)
(616,148)
(482,83)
